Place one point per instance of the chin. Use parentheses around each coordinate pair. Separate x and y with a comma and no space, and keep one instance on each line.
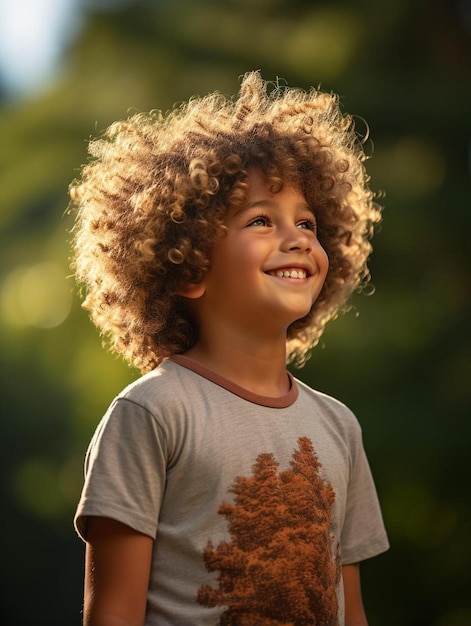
(296,317)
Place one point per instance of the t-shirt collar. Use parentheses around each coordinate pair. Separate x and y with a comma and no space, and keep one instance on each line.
(280,402)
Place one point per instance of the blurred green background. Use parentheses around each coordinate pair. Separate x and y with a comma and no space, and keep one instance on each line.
(403,364)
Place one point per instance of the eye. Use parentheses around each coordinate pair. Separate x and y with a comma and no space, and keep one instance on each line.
(260,220)
(308,224)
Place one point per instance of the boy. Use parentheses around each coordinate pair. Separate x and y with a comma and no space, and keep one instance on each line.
(215,244)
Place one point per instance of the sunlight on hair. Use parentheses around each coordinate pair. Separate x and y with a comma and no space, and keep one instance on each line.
(37,296)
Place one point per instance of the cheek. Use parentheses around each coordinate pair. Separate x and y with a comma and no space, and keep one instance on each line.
(325,261)
(238,259)
(243,257)
(322,260)
(228,266)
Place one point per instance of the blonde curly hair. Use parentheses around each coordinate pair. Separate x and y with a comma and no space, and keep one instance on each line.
(151,201)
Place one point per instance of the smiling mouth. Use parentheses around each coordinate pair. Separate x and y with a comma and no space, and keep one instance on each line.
(289,273)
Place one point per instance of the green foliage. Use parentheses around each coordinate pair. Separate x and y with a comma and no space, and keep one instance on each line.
(403,364)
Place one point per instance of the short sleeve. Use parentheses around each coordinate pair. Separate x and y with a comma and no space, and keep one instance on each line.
(363,534)
(125,470)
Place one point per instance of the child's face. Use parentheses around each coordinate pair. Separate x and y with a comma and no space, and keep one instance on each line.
(269,268)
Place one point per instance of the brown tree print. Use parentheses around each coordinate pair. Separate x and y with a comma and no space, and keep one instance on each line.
(278,569)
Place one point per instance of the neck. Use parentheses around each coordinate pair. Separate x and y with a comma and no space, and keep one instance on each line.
(255,363)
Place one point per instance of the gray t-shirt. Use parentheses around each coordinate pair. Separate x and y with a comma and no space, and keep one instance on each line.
(254,502)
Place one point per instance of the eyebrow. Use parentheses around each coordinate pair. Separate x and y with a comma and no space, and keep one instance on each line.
(273,204)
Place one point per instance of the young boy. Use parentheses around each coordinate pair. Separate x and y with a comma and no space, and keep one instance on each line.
(215,243)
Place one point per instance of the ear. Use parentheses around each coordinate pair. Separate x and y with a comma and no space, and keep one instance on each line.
(192,291)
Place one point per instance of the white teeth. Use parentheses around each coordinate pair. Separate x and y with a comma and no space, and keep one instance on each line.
(290,274)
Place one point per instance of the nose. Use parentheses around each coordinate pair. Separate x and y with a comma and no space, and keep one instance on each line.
(296,239)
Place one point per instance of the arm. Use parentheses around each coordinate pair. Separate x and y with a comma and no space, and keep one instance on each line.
(117,569)
(354,611)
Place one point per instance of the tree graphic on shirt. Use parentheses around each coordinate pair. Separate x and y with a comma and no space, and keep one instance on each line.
(278,568)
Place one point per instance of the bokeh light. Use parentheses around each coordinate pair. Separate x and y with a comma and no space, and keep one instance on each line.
(37,296)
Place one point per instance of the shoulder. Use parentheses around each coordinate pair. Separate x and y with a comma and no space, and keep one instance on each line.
(163,385)
(339,416)
(150,408)
(152,401)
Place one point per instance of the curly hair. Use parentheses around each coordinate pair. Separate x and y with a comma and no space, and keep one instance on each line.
(151,201)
